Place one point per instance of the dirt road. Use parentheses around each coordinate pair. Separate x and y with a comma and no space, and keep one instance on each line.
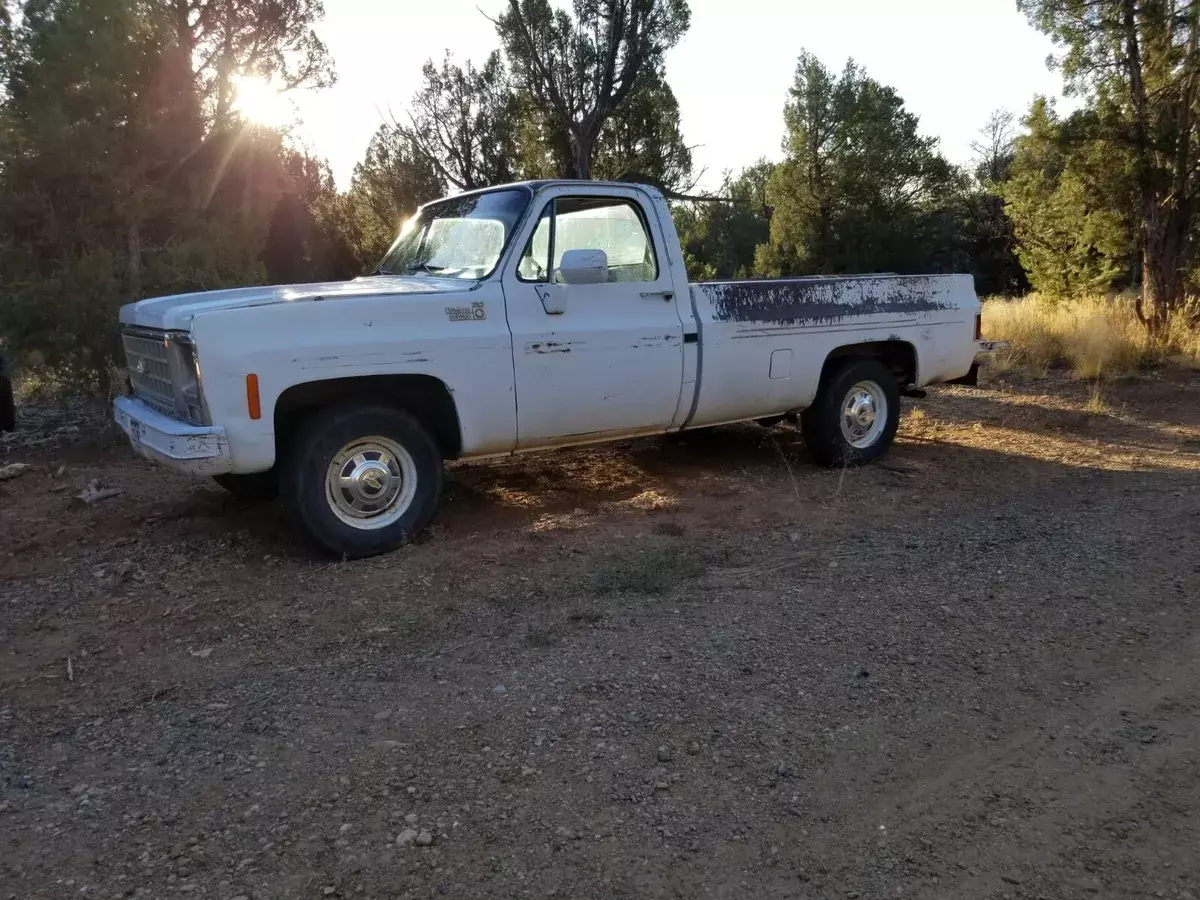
(693,669)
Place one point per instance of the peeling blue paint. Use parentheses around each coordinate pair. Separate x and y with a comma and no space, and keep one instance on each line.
(820,300)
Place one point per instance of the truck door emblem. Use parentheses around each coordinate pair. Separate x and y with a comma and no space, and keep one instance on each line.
(474,312)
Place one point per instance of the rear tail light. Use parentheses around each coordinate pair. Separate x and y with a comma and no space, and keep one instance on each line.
(979,326)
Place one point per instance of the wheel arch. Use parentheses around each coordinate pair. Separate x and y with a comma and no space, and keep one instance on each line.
(899,356)
(426,397)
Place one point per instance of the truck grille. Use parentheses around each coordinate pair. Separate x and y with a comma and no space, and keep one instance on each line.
(149,366)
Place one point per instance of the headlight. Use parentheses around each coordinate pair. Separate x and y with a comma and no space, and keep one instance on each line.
(189,393)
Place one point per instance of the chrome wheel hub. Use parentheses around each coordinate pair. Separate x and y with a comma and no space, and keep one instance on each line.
(371,482)
(864,414)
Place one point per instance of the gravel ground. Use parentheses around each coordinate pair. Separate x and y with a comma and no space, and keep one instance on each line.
(698,668)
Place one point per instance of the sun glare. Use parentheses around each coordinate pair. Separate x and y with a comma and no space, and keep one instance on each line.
(257,100)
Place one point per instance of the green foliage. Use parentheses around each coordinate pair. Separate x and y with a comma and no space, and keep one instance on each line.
(988,230)
(579,69)
(860,189)
(642,137)
(1069,196)
(1136,146)
(463,123)
(393,179)
(116,181)
(126,169)
(719,239)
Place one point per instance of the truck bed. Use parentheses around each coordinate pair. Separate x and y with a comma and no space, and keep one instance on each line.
(763,342)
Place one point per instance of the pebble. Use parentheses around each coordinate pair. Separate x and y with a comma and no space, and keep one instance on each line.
(664,753)
(499,689)
(382,714)
(410,819)
(406,837)
(526,771)
(424,839)
(567,834)
(694,748)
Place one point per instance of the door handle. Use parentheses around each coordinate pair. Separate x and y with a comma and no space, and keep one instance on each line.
(666,295)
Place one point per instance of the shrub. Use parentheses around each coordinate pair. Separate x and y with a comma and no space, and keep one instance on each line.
(1091,336)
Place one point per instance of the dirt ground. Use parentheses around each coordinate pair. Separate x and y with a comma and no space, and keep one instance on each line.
(698,668)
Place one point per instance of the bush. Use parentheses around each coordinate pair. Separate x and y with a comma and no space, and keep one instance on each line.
(1091,336)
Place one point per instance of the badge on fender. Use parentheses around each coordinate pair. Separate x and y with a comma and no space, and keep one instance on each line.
(474,312)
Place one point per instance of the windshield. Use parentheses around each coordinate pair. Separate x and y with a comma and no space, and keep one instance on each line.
(462,237)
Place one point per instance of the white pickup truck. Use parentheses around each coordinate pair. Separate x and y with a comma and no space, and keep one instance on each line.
(517,318)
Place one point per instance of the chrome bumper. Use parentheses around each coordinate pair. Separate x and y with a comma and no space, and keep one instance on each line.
(191,449)
(984,349)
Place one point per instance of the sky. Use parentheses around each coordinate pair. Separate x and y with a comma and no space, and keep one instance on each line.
(952,61)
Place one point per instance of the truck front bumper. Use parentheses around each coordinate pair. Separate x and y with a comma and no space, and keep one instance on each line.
(191,449)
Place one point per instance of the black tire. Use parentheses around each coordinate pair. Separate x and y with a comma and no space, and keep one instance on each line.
(8,406)
(312,452)
(261,487)
(822,422)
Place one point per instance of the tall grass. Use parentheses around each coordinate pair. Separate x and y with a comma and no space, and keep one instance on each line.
(1093,336)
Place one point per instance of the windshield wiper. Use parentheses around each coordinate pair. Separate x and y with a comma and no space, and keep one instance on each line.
(383,271)
(423,267)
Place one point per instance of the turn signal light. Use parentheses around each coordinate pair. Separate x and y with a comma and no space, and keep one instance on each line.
(979,327)
(252,401)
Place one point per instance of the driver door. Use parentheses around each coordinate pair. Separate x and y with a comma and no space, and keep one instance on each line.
(611,363)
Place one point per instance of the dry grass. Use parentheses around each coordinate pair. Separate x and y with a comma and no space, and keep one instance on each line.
(1092,337)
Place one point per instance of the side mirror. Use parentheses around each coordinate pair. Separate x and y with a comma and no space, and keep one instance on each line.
(584,267)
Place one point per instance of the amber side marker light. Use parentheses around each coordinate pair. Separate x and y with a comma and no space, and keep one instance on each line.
(252,401)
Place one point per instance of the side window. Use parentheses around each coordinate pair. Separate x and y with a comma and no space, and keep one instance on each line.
(609,224)
(535,261)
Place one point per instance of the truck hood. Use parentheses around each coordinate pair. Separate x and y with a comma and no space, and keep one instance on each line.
(175,313)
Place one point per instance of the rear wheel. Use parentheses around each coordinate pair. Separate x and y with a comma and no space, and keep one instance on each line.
(362,480)
(259,487)
(854,417)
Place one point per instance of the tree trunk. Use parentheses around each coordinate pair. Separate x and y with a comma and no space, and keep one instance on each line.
(1162,282)
(583,156)
(185,59)
(225,72)
(133,261)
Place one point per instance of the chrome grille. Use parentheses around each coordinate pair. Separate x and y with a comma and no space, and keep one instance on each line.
(149,365)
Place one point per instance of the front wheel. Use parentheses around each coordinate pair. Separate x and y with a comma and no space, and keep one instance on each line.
(855,414)
(362,480)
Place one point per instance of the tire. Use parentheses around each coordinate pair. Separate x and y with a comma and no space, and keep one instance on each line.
(8,406)
(261,487)
(822,423)
(362,480)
